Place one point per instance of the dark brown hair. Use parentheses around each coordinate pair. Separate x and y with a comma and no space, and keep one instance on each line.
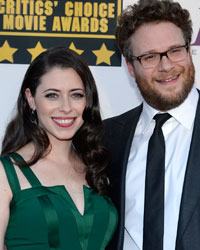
(150,11)
(22,130)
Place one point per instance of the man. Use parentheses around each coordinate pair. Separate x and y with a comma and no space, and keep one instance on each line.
(154,37)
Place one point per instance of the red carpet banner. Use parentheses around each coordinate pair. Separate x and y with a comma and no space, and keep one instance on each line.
(28,27)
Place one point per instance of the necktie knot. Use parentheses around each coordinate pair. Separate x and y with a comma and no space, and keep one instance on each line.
(161,119)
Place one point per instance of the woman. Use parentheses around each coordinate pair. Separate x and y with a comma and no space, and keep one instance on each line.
(53,180)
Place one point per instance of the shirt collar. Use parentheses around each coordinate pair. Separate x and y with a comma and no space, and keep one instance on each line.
(184,113)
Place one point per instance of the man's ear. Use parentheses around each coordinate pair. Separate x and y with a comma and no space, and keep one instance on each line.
(130,68)
(30,99)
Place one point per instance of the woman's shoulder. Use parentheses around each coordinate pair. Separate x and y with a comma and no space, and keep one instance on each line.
(26,152)
(5,161)
(5,190)
(10,173)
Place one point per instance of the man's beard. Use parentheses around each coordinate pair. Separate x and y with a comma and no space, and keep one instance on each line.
(166,101)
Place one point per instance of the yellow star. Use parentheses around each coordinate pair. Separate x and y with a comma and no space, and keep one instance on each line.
(36,51)
(103,55)
(6,52)
(78,51)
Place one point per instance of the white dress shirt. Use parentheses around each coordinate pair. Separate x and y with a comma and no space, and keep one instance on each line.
(178,133)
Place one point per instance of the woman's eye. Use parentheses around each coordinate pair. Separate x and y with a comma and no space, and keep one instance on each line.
(51,95)
(77,95)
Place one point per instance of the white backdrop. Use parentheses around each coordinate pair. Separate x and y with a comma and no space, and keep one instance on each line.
(117,90)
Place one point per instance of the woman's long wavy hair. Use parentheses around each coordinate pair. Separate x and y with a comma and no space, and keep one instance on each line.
(22,130)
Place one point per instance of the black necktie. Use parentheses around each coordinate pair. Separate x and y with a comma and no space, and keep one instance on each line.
(154,188)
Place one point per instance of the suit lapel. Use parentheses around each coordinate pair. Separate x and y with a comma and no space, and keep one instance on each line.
(124,134)
(191,188)
(122,149)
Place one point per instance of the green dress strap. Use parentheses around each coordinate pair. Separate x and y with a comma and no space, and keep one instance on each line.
(46,204)
(11,174)
(28,173)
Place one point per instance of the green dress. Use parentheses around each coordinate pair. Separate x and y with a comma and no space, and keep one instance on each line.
(46,218)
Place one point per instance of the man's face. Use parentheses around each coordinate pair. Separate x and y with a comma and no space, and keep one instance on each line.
(167,85)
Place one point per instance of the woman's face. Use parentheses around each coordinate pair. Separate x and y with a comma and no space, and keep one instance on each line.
(59,102)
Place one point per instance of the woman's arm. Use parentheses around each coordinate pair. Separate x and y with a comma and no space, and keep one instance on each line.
(6,196)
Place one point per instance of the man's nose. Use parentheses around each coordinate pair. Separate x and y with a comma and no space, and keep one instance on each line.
(165,63)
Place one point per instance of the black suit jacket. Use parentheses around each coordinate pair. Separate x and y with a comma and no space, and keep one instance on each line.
(119,133)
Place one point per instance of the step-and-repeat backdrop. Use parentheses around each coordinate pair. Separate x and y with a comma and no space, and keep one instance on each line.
(28,27)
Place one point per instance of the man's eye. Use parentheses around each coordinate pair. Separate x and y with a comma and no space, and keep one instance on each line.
(150,57)
(51,95)
(176,50)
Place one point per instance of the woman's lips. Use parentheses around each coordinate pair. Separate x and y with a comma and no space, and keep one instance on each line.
(64,122)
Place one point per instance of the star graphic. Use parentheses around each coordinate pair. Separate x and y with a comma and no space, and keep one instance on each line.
(78,51)
(6,52)
(103,55)
(36,51)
